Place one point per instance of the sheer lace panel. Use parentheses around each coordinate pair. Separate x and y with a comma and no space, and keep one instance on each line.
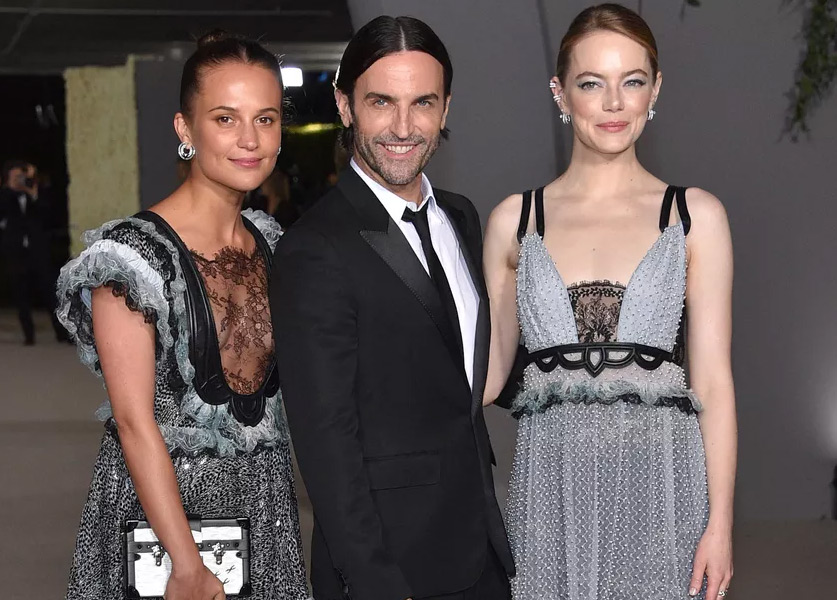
(596,306)
(237,287)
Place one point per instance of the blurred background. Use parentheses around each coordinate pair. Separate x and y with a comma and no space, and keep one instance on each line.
(88,90)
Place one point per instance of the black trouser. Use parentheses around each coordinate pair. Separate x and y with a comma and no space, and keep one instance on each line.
(30,273)
(493,584)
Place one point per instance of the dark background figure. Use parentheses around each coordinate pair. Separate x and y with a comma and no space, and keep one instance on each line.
(24,220)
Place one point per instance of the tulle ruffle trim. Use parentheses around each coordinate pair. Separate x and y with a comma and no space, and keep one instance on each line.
(270,229)
(539,399)
(105,261)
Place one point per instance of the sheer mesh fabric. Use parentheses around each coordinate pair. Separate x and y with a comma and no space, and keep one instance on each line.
(236,283)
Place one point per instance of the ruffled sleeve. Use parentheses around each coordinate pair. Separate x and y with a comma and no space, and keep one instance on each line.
(132,259)
(270,229)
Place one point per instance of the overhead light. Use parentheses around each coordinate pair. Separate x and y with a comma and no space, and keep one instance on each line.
(292,76)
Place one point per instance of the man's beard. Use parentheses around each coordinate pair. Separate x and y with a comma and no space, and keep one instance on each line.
(395,172)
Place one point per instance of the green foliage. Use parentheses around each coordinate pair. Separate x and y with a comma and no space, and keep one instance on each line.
(816,73)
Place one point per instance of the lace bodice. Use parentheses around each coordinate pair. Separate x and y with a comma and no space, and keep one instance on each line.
(596,307)
(648,310)
(236,284)
(139,264)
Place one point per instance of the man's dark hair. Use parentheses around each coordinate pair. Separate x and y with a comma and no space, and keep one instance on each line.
(379,38)
(9,166)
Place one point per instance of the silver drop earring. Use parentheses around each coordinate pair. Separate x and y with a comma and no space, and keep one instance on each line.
(565,118)
(651,113)
(280,151)
(186,151)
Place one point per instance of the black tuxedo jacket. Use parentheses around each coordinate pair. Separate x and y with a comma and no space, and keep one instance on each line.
(390,437)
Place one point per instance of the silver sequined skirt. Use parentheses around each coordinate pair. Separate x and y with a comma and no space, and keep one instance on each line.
(258,485)
(606,502)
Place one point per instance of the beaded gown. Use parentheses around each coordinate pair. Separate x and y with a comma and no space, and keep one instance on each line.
(608,495)
(224,468)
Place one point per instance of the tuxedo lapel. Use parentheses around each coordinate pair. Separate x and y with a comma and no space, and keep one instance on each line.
(388,241)
(461,227)
(482,334)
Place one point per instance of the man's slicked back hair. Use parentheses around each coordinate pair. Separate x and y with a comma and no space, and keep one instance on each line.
(379,38)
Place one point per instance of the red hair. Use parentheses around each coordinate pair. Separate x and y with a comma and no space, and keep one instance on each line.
(607,17)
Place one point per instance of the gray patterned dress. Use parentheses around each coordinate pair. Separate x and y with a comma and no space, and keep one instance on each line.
(608,495)
(223,468)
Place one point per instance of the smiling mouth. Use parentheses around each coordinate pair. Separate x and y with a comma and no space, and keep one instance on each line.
(399,149)
(246,162)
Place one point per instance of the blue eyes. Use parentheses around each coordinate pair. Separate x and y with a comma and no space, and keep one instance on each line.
(589,85)
(380,103)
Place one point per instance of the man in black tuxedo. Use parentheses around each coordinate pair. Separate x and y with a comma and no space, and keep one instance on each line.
(25,245)
(382,330)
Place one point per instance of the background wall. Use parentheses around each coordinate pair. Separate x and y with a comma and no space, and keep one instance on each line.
(158,85)
(727,67)
(101,147)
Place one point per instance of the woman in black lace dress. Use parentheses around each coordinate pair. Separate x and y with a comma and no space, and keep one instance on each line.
(194,420)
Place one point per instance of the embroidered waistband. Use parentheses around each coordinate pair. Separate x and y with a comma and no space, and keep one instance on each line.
(596,357)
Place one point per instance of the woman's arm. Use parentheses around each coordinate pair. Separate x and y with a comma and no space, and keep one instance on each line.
(125,344)
(709,302)
(500,264)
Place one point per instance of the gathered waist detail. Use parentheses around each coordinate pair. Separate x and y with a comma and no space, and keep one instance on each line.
(541,396)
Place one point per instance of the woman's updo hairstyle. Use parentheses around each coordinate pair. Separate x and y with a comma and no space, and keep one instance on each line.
(606,17)
(214,49)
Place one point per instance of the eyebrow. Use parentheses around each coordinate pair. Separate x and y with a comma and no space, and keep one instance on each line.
(231,109)
(625,74)
(388,98)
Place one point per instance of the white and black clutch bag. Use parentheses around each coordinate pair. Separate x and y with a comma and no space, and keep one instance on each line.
(224,546)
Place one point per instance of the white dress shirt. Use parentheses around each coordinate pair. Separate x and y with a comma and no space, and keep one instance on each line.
(446,245)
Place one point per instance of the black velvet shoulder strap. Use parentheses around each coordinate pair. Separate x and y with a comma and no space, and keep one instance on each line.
(525,208)
(682,209)
(685,218)
(540,223)
(665,211)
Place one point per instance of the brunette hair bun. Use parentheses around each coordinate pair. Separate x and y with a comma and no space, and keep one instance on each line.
(216,48)
(211,37)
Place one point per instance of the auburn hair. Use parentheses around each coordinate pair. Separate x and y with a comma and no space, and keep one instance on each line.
(606,17)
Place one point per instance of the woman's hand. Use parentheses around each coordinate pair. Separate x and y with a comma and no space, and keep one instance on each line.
(194,584)
(713,559)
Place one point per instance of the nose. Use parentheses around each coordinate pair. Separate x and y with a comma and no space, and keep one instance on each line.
(613,101)
(402,122)
(249,139)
